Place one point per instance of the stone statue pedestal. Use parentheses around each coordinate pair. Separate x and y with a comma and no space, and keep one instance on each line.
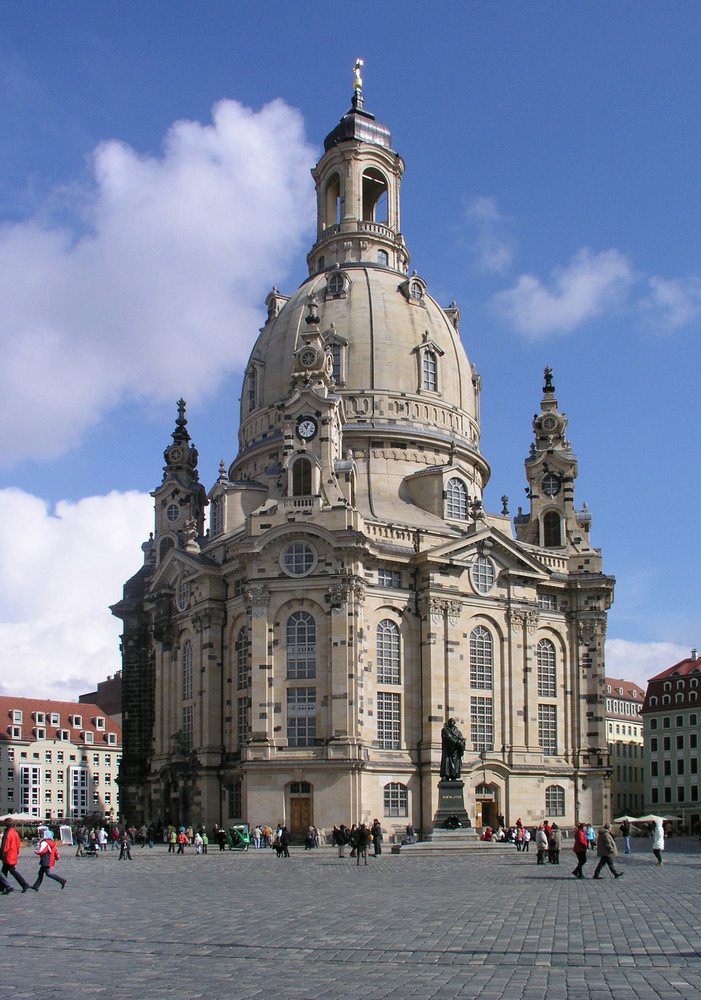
(451,807)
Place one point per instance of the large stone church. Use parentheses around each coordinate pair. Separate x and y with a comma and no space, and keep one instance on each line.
(295,658)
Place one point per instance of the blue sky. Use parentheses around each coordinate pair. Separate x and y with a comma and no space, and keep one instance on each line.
(154,184)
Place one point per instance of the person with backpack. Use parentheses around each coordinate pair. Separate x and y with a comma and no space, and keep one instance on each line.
(48,856)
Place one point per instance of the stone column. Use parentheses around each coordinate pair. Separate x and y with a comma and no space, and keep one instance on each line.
(262,695)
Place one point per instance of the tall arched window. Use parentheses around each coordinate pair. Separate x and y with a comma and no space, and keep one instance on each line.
(429,371)
(252,388)
(545,658)
(301,645)
(552,529)
(396,799)
(187,670)
(302,478)
(387,652)
(456,499)
(217,515)
(554,800)
(242,651)
(481,658)
(333,200)
(374,196)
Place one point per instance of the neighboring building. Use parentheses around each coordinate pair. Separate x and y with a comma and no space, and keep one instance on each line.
(59,760)
(108,696)
(671,714)
(298,660)
(624,728)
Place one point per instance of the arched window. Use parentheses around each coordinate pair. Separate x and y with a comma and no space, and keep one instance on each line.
(333,200)
(252,388)
(552,530)
(545,658)
(374,196)
(554,800)
(242,652)
(429,371)
(301,645)
(456,499)
(166,543)
(383,258)
(481,658)
(387,652)
(187,670)
(396,799)
(217,516)
(302,478)
(335,284)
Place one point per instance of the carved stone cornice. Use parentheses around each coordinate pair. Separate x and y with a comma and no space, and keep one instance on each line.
(208,618)
(257,601)
(437,608)
(590,625)
(338,594)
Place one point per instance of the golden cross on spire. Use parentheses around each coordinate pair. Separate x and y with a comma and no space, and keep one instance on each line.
(357,82)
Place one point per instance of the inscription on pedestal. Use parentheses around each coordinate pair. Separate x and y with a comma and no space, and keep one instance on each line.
(451,812)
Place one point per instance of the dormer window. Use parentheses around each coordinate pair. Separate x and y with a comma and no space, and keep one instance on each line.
(39,718)
(552,530)
(99,722)
(336,284)
(88,737)
(16,715)
(77,721)
(416,292)
(429,371)
(456,499)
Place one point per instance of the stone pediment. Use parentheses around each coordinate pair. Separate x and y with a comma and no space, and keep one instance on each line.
(488,541)
(176,564)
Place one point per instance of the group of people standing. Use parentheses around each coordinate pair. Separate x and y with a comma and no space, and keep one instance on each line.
(358,838)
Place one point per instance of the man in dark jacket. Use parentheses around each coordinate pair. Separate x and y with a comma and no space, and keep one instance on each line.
(377,836)
(607,851)
(362,841)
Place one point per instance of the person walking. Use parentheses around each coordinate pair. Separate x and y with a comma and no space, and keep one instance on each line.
(377,836)
(580,850)
(606,850)
(48,856)
(9,852)
(285,841)
(591,837)
(625,833)
(125,846)
(526,840)
(657,841)
(182,840)
(172,837)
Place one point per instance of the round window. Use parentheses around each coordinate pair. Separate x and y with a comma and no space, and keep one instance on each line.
(172,512)
(298,559)
(182,596)
(483,574)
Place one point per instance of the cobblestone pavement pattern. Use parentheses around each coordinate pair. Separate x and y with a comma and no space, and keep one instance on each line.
(410,926)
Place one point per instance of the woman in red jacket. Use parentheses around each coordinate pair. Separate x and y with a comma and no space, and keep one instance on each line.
(9,851)
(580,850)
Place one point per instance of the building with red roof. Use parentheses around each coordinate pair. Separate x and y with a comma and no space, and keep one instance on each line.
(671,713)
(59,760)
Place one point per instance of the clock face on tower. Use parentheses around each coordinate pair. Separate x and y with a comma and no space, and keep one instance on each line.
(306,428)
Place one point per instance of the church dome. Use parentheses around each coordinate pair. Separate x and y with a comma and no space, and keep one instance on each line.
(395,358)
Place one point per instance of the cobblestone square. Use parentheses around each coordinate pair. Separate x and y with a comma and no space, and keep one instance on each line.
(484,924)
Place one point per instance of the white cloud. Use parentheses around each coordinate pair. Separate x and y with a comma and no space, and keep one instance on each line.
(162,295)
(493,245)
(591,283)
(62,569)
(672,302)
(639,661)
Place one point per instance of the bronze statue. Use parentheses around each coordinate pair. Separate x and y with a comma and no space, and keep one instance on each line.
(453,747)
